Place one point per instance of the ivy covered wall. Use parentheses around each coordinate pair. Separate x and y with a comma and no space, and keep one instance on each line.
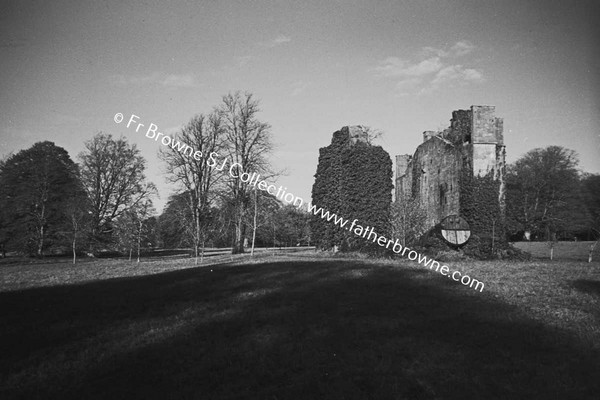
(354,181)
(482,206)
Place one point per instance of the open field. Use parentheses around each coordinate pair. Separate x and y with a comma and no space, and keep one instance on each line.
(577,251)
(21,273)
(300,328)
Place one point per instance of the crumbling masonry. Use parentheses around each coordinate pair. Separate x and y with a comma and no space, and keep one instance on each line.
(472,146)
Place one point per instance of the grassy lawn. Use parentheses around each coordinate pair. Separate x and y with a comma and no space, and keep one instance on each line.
(300,328)
(578,251)
(44,272)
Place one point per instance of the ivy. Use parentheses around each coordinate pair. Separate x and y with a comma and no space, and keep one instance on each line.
(353,181)
(481,208)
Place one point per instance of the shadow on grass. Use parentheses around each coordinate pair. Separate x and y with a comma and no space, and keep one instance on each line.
(587,286)
(288,330)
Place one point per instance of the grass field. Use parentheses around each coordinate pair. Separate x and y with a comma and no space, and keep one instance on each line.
(299,328)
(578,251)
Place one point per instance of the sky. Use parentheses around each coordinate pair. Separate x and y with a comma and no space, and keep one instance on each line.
(402,67)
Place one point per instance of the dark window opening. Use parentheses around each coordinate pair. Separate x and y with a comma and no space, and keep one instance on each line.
(443,189)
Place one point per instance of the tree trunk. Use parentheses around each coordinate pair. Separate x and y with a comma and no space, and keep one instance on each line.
(255,215)
(75,226)
(238,244)
(197,236)
(41,242)
(74,253)
(203,245)
(139,241)
(41,220)
(493,234)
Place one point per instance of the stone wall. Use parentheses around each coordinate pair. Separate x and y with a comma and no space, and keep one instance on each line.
(486,127)
(472,143)
(484,159)
(403,176)
(432,176)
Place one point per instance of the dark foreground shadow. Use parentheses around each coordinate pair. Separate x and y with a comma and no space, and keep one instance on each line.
(587,286)
(293,330)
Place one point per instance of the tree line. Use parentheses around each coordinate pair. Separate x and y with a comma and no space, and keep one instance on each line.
(549,198)
(103,203)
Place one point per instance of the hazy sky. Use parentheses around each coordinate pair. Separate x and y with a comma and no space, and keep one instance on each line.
(66,68)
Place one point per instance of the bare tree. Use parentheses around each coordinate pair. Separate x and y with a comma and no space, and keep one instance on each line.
(265,209)
(143,212)
(593,245)
(248,143)
(408,219)
(112,172)
(131,226)
(77,213)
(190,170)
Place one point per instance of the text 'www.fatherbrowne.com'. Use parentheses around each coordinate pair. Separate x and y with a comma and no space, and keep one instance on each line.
(369,233)
(236,170)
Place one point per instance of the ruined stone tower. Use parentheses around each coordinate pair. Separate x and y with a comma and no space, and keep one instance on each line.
(353,179)
(473,144)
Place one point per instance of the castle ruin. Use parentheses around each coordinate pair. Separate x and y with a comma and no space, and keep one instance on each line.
(354,179)
(471,146)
